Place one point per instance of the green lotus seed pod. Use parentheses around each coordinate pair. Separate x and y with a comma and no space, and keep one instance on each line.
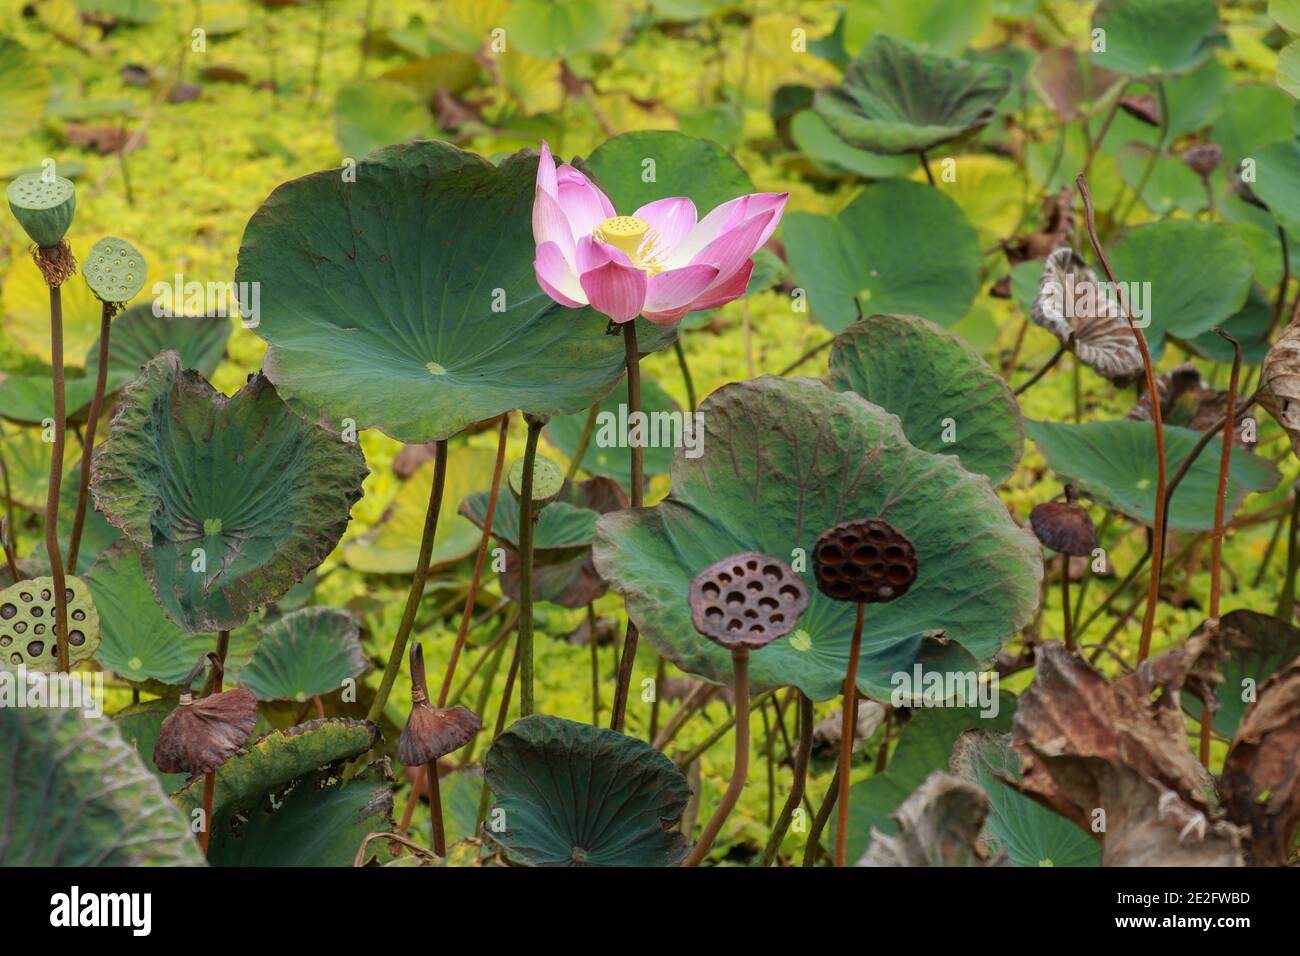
(43,207)
(114,269)
(548,480)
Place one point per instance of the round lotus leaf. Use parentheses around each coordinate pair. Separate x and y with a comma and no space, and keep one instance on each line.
(24,88)
(1251,118)
(138,641)
(27,627)
(1253,647)
(77,794)
(548,479)
(785,459)
(948,398)
(232,500)
(1152,37)
(369,114)
(306,653)
(115,271)
(938,24)
(44,206)
(899,98)
(1114,463)
(577,795)
(879,252)
(551,31)
(407,300)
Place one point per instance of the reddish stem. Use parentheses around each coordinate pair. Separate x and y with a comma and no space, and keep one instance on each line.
(88,442)
(847,729)
(1220,499)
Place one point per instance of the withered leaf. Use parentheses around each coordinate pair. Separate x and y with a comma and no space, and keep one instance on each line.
(1074,307)
(937,826)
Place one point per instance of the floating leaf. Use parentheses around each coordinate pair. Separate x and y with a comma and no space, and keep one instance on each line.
(1114,462)
(370,114)
(879,252)
(554,29)
(1153,37)
(783,461)
(398,325)
(304,654)
(929,378)
(232,500)
(577,795)
(899,98)
(76,794)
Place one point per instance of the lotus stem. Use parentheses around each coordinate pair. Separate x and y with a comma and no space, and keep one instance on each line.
(88,442)
(812,352)
(925,164)
(812,849)
(687,382)
(1105,128)
(503,711)
(797,786)
(1047,367)
(413,597)
(684,761)
(628,659)
(1066,628)
(435,808)
(526,703)
(595,666)
(847,728)
(1206,732)
(696,699)
(1286,602)
(740,766)
(1220,498)
(210,779)
(56,477)
(463,630)
(10,545)
(1157,541)
(495,645)
(588,429)
(661,675)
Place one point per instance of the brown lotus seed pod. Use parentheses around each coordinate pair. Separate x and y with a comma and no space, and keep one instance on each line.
(432,732)
(1143,108)
(747,600)
(201,735)
(868,561)
(1203,159)
(1066,528)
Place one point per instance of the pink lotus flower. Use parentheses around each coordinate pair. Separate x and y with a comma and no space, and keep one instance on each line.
(658,262)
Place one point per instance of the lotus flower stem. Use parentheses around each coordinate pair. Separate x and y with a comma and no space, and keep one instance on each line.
(847,728)
(628,659)
(661,675)
(740,766)
(684,761)
(595,666)
(697,698)
(1286,602)
(503,711)
(421,574)
(484,541)
(1158,542)
(526,703)
(588,429)
(88,442)
(439,833)
(797,785)
(814,351)
(497,643)
(687,381)
(813,848)
(1101,135)
(925,164)
(1220,498)
(1047,367)
(56,476)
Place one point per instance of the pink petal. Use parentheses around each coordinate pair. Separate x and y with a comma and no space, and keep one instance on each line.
(556,276)
(726,217)
(732,288)
(616,290)
(672,290)
(730,250)
(665,318)
(584,204)
(671,218)
(546,172)
(592,254)
(551,225)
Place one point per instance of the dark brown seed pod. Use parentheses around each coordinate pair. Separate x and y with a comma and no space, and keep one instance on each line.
(1143,108)
(201,735)
(432,732)
(1203,159)
(747,600)
(868,561)
(1064,527)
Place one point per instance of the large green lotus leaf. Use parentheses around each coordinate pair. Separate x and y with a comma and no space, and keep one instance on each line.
(406,300)
(1199,272)
(1277,167)
(138,641)
(900,98)
(1114,462)
(553,29)
(924,746)
(607,453)
(675,164)
(263,493)
(1028,832)
(928,378)
(27,461)
(76,794)
(1171,185)
(818,142)
(939,24)
(394,547)
(1253,117)
(305,653)
(785,459)
(28,398)
(140,724)
(1256,646)
(270,762)
(1250,327)
(1288,68)
(322,820)
(24,88)
(880,251)
(1150,37)
(369,114)
(578,795)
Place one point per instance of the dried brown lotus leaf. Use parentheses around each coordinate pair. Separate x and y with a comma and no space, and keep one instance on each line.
(1085,318)
(1279,382)
(1186,399)
(201,735)
(1064,527)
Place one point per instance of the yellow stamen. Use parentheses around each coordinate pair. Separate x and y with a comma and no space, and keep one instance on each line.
(623,232)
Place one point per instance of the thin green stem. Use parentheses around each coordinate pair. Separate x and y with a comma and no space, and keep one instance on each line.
(687,381)
(526,702)
(627,662)
(848,727)
(88,442)
(740,765)
(797,785)
(56,479)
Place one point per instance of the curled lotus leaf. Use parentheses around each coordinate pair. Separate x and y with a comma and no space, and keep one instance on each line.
(1279,382)
(232,500)
(1074,307)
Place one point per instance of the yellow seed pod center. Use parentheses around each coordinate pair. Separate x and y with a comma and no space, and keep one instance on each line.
(623,232)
